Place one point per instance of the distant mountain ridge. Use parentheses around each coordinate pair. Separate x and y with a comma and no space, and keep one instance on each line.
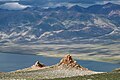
(60,23)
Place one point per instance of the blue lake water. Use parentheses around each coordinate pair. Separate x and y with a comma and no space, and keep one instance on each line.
(11,62)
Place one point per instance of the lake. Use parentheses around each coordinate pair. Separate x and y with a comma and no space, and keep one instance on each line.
(11,62)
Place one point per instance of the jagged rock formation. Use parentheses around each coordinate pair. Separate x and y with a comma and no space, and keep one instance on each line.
(38,65)
(66,68)
(69,63)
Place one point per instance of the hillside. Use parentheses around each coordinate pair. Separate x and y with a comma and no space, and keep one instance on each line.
(103,76)
(73,23)
(114,75)
(67,67)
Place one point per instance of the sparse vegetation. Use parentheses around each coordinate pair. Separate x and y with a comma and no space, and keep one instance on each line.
(36,75)
(66,68)
(103,76)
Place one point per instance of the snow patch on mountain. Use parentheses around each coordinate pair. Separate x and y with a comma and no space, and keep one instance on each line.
(47,34)
(116,12)
(102,23)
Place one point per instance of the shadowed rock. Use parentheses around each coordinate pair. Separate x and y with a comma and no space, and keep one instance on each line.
(117,70)
(38,65)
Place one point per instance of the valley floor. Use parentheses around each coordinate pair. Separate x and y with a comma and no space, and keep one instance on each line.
(96,52)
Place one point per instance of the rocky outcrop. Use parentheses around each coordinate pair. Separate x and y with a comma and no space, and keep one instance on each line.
(117,70)
(69,63)
(38,65)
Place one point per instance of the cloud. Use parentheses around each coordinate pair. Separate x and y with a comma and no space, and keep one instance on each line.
(9,0)
(13,6)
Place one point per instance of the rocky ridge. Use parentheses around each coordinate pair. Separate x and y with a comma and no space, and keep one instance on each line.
(68,62)
(36,66)
(66,68)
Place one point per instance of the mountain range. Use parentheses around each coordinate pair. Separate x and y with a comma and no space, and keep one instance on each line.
(36,23)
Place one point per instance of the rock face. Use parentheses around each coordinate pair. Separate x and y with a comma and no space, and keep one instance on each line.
(69,63)
(67,60)
(38,65)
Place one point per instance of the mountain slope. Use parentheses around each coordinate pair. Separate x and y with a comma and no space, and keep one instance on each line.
(60,23)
